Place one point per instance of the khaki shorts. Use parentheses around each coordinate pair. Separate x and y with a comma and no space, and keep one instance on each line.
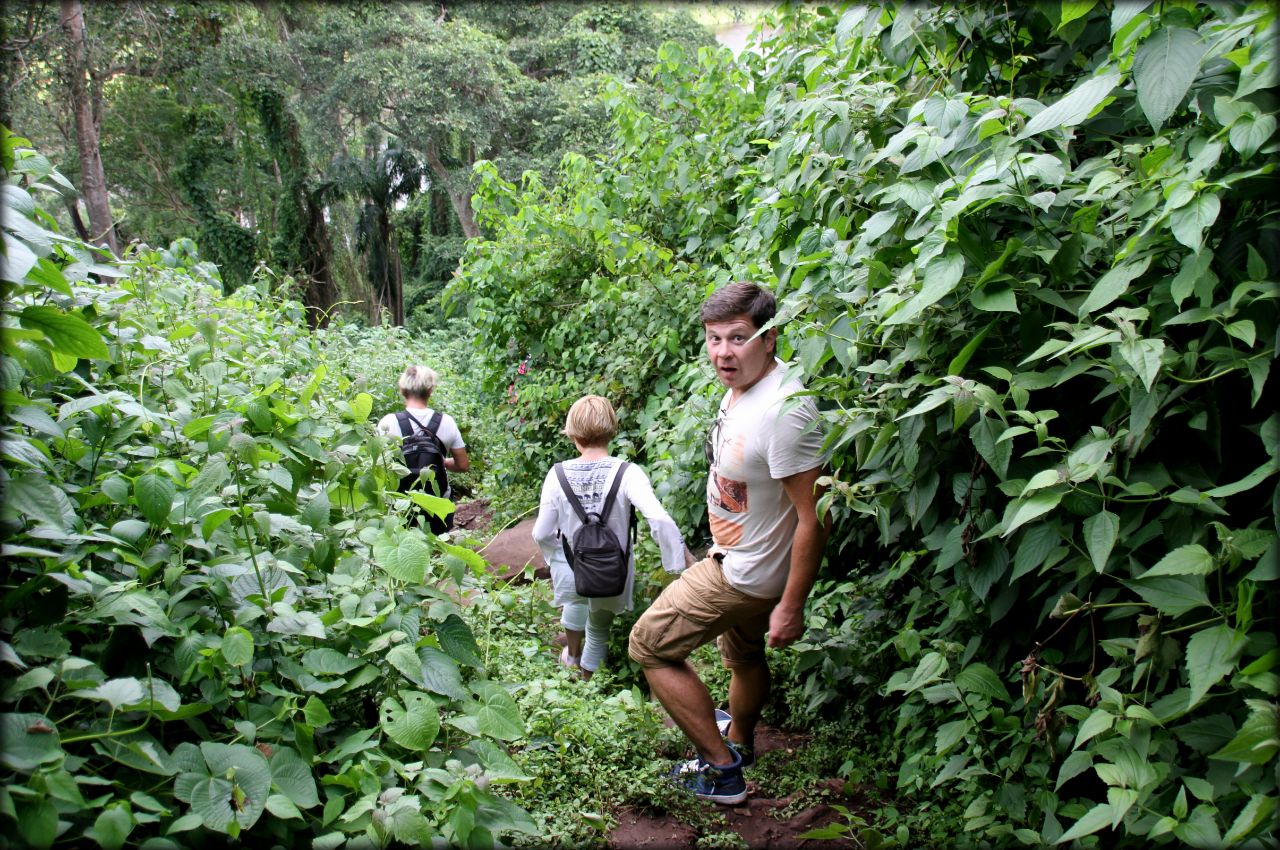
(697,608)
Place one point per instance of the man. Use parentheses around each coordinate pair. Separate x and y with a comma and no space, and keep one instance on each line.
(762,498)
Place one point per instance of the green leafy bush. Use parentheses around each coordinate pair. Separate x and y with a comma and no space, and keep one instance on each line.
(215,623)
(1026,261)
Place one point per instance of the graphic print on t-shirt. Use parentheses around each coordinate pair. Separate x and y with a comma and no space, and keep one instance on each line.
(728,495)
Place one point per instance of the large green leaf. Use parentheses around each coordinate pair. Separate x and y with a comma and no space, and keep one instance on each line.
(440,673)
(1189,222)
(1100,533)
(498,765)
(978,678)
(1074,107)
(413,724)
(1256,742)
(1163,69)
(404,558)
(493,713)
(456,639)
(940,277)
(329,662)
(931,667)
(1099,817)
(30,740)
(435,505)
(154,494)
(405,660)
(237,647)
(37,822)
(293,777)
(1250,132)
(1211,656)
(68,333)
(1173,595)
(1256,815)
(1112,285)
(116,692)
(1189,560)
(211,800)
(250,780)
(39,500)
(1023,510)
(361,406)
(111,828)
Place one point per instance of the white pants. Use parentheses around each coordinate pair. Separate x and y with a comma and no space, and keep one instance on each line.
(577,617)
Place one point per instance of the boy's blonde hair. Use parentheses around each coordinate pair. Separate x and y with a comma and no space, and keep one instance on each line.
(591,421)
(418,381)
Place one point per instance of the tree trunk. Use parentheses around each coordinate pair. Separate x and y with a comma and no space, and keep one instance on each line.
(460,200)
(93,179)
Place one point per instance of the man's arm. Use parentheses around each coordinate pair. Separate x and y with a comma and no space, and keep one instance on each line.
(786,623)
(459,462)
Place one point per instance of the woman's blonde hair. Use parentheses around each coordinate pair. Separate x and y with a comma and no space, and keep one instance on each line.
(418,382)
(591,421)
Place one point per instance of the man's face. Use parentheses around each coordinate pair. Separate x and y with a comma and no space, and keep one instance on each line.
(739,360)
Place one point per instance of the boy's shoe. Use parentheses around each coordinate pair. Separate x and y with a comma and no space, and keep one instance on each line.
(568,660)
(723,785)
(723,719)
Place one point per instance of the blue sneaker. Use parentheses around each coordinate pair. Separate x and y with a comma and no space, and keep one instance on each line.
(723,785)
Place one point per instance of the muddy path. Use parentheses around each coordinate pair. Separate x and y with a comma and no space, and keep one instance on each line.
(763,822)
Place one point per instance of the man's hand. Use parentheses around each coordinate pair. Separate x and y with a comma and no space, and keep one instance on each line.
(786,625)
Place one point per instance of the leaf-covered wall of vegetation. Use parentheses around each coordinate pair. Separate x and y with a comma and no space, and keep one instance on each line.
(216,623)
(1027,261)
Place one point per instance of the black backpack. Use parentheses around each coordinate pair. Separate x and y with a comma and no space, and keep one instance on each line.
(599,562)
(423,452)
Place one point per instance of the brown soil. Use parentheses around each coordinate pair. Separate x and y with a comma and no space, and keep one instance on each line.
(764,823)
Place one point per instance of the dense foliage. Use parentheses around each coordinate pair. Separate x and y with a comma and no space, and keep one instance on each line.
(331,142)
(1027,262)
(216,623)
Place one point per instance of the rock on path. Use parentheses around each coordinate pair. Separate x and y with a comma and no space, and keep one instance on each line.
(512,550)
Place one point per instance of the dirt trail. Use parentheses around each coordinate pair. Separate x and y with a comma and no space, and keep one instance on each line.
(764,823)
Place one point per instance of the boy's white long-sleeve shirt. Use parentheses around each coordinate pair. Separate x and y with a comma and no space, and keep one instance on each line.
(590,481)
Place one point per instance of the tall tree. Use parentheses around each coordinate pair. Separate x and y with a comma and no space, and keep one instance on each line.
(86,107)
(443,87)
(301,241)
(385,176)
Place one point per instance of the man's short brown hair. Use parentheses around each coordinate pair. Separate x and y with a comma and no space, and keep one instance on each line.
(742,298)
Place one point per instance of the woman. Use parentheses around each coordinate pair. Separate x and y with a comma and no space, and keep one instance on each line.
(416,385)
(591,425)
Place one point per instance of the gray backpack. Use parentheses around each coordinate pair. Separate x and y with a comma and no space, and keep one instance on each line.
(599,562)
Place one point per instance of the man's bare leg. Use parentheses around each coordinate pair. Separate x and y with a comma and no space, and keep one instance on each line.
(748,691)
(687,700)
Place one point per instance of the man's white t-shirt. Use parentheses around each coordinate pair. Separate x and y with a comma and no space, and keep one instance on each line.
(755,443)
(448,431)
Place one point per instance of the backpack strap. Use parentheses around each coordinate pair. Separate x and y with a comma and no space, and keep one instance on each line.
(568,491)
(577,507)
(434,425)
(408,424)
(608,505)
